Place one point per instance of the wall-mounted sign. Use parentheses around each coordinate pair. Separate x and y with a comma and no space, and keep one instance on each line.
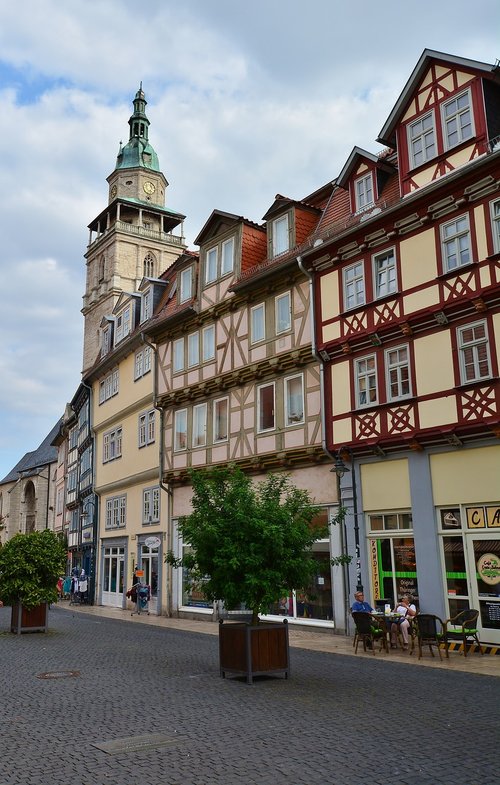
(450,518)
(152,542)
(475,518)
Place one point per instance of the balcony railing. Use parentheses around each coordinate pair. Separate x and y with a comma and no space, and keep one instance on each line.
(140,231)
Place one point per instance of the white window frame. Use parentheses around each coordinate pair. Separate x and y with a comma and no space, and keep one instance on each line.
(227,257)
(150,505)
(294,402)
(283,325)
(208,343)
(385,276)
(116,512)
(147,425)
(178,358)
(112,445)
(363,376)
(452,245)
(353,296)
(280,237)
(122,325)
(142,363)
(193,349)
(363,187)
(109,386)
(106,339)
(260,413)
(258,323)
(199,428)
(180,430)
(220,434)
(147,304)
(423,137)
(395,372)
(473,347)
(495,224)
(186,284)
(456,116)
(211,264)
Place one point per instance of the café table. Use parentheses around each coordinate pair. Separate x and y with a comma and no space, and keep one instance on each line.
(388,618)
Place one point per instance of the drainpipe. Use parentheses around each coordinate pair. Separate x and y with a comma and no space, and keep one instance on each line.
(96,506)
(166,488)
(323,424)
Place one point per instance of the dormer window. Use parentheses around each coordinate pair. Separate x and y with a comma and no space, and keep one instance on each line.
(146,305)
(219,261)
(457,120)
(281,235)
(122,328)
(364,192)
(186,285)
(106,340)
(422,140)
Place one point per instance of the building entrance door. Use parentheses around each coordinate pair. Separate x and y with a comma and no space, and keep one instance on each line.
(149,563)
(113,577)
(484,569)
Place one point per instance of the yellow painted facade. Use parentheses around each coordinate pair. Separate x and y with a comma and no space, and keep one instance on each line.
(466,476)
(386,485)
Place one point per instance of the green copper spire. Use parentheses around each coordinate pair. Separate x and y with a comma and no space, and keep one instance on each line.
(138,152)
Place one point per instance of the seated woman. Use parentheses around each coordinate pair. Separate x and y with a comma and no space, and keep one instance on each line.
(407,611)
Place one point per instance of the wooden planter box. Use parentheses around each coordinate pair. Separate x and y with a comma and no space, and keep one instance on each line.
(253,650)
(34,620)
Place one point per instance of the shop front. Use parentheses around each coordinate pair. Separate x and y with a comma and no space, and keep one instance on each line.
(113,586)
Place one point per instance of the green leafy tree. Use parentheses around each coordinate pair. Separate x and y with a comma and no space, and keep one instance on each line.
(250,543)
(30,565)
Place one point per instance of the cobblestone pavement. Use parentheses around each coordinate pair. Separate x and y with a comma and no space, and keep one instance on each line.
(138,704)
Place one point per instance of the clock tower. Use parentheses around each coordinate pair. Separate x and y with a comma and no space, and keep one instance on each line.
(135,235)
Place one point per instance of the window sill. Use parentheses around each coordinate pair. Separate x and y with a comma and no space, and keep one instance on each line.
(456,271)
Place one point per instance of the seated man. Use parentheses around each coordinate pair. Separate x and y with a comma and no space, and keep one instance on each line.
(359,603)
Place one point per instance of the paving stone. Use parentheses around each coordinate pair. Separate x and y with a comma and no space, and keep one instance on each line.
(156,683)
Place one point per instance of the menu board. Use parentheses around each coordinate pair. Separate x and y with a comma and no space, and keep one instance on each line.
(490,615)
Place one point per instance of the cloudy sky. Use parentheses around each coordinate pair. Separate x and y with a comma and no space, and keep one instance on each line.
(245,100)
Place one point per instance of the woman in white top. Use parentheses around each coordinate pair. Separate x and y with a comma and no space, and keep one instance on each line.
(407,611)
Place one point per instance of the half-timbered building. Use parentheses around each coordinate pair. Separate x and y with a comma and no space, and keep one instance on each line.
(406,266)
(239,382)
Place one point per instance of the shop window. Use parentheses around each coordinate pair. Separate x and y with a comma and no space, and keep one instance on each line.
(394,570)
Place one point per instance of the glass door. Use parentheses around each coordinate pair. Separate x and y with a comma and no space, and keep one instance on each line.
(113,577)
(484,564)
(148,562)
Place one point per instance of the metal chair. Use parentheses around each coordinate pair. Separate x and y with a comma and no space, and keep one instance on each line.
(430,631)
(368,630)
(467,620)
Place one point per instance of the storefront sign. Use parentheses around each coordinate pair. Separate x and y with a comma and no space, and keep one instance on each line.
(482,517)
(488,567)
(152,542)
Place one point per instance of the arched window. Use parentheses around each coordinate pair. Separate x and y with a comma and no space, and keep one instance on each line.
(29,500)
(102,264)
(149,266)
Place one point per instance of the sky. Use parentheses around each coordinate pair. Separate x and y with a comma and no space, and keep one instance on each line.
(245,100)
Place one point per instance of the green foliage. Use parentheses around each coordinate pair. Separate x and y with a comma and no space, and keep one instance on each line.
(251,543)
(30,565)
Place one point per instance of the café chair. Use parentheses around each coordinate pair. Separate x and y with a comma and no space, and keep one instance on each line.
(368,630)
(430,631)
(467,621)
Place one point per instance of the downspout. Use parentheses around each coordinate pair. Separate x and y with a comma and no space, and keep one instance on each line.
(97,505)
(327,452)
(166,488)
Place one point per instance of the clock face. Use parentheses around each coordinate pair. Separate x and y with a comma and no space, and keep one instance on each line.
(149,187)
(113,191)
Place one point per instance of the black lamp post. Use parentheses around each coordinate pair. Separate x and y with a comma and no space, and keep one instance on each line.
(86,514)
(340,469)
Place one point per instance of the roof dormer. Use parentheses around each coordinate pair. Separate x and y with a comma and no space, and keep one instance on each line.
(289,223)
(364,176)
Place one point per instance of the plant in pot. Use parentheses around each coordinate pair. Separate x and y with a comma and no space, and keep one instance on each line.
(249,545)
(30,565)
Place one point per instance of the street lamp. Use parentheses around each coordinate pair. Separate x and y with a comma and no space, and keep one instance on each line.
(340,469)
(89,512)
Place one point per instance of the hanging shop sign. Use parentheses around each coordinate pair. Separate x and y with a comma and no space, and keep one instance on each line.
(488,567)
(152,542)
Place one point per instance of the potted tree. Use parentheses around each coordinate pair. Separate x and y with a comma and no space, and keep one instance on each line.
(30,565)
(250,544)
